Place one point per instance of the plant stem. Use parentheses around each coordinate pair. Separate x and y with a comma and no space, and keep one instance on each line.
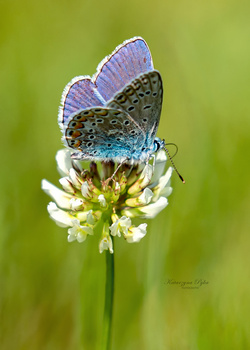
(108,308)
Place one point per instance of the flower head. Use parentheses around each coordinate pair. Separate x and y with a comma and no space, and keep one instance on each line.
(88,196)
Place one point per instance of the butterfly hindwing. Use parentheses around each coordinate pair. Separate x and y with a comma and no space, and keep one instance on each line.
(103,133)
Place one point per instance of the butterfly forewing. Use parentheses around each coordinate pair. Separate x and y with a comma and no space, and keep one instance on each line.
(142,99)
(103,133)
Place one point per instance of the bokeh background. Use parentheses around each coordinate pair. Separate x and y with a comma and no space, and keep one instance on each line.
(52,292)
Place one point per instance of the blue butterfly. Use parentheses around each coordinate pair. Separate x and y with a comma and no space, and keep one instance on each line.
(115,114)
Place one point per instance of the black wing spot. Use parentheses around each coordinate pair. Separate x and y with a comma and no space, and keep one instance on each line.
(119,97)
(154,94)
(144,120)
(93,124)
(131,108)
(136,100)
(141,94)
(114,121)
(89,144)
(91,130)
(147,92)
(71,132)
(126,122)
(99,120)
(109,144)
(91,137)
(147,106)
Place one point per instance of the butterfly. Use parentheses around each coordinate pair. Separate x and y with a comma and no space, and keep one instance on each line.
(115,114)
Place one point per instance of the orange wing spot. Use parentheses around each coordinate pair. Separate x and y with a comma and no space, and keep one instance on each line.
(100,111)
(74,124)
(76,134)
(77,143)
(82,119)
(103,112)
(90,114)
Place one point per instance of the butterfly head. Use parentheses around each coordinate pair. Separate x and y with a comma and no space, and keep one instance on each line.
(158,144)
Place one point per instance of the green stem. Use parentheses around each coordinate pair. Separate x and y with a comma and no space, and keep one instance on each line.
(108,308)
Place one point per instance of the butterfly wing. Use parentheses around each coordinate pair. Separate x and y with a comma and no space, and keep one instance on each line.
(142,99)
(102,133)
(128,60)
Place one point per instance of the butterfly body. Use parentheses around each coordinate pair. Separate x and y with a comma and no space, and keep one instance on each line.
(115,114)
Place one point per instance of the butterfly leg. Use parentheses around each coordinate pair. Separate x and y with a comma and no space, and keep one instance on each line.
(118,167)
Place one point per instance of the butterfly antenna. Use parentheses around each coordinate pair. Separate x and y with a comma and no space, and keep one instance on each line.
(166,150)
(176,148)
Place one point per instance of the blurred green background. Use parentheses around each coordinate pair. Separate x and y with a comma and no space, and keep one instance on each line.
(47,285)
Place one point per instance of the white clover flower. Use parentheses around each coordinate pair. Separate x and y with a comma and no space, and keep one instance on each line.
(120,226)
(87,197)
(135,234)
(79,232)
(106,244)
